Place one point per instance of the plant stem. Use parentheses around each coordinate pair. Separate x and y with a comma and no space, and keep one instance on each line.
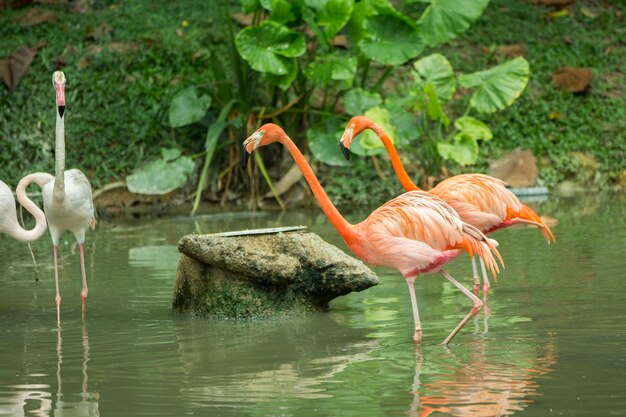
(364,74)
(382,78)
(268,180)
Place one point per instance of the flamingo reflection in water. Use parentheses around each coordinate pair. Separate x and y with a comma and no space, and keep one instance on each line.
(485,383)
(88,404)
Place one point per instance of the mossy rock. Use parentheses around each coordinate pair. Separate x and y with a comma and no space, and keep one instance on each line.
(263,275)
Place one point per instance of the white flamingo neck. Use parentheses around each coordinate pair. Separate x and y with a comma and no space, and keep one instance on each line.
(59,169)
(40,218)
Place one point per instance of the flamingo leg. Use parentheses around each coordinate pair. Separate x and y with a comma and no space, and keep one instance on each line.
(83,293)
(417,335)
(486,283)
(475,276)
(57,299)
(475,308)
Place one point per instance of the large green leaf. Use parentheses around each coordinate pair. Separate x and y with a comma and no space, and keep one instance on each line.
(473,128)
(267,46)
(160,176)
(282,11)
(358,101)
(187,108)
(433,106)
(445,19)
(331,67)
(436,70)
(464,150)
(283,81)
(324,142)
(391,40)
(249,6)
(332,15)
(497,87)
(369,143)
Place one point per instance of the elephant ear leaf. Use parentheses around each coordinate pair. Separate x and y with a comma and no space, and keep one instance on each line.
(497,87)
(444,20)
(435,69)
(464,150)
(268,47)
(187,108)
(391,40)
(162,175)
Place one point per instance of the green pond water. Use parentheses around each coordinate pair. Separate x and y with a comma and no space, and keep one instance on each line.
(554,344)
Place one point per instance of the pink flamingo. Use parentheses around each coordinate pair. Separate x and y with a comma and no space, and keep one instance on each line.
(67,198)
(8,213)
(480,200)
(414,233)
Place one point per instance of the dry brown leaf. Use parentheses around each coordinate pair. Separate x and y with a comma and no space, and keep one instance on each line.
(36,17)
(512,51)
(122,47)
(243,19)
(572,79)
(14,4)
(83,62)
(340,40)
(80,6)
(98,32)
(16,65)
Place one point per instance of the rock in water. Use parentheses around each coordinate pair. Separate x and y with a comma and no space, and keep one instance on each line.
(263,275)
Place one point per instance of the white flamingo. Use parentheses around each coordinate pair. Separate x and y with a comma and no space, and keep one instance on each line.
(8,213)
(67,199)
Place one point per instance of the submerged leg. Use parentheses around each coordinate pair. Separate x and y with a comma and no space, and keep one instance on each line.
(83,293)
(417,335)
(57,299)
(486,284)
(475,308)
(475,276)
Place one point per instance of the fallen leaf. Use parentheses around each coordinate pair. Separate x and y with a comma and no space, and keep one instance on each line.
(83,62)
(572,79)
(555,115)
(340,40)
(80,6)
(557,14)
(36,17)
(588,12)
(512,51)
(114,47)
(98,32)
(243,19)
(16,65)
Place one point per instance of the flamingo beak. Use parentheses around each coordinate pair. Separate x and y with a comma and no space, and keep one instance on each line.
(245,157)
(60,90)
(346,151)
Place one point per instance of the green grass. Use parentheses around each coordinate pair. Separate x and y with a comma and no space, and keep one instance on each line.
(117,103)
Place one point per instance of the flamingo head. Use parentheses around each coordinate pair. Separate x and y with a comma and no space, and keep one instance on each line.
(266,134)
(356,125)
(58,81)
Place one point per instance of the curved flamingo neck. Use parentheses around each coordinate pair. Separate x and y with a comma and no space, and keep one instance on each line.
(401,173)
(40,218)
(58,191)
(345,229)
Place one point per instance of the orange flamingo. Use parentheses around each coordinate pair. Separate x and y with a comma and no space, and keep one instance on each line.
(480,200)
(414,233)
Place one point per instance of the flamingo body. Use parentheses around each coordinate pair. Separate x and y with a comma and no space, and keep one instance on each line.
(74,212)
(415,233)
